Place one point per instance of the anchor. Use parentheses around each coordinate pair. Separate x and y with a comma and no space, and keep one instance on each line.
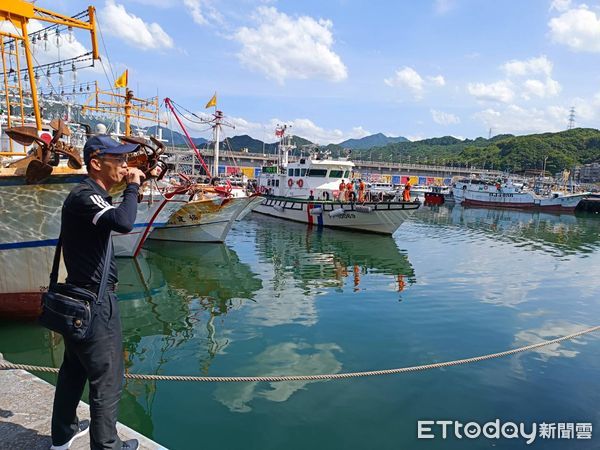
(39,163)
(148,157)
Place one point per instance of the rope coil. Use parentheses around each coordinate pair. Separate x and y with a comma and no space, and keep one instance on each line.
(335,376)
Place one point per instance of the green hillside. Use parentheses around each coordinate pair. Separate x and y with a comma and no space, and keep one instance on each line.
(561,150)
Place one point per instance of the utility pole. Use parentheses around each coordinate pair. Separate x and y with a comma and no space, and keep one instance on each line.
(571,118)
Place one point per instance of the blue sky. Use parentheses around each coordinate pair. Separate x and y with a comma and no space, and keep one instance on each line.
(347,68)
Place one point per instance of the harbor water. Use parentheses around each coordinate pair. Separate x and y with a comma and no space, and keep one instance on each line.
(282,299)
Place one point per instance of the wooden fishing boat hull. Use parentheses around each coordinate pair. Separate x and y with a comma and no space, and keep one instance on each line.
(153,211)
(254,201)
(206,220)
(383,217)
(29,232)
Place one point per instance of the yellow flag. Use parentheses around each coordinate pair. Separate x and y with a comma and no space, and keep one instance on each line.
(122,80)
(212,101)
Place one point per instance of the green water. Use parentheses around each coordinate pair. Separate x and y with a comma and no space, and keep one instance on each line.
(279,298)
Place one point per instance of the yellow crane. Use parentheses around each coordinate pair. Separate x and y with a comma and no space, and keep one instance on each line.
(19,13)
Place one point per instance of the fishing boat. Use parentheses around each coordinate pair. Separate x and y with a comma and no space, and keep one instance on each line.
(307,191)
(206,218)
(516,196)
(35,177)
(212,210)
(40,158)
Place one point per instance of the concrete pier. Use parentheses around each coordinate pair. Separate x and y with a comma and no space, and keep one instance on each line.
(26,409)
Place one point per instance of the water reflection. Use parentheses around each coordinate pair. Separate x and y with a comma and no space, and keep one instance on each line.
(176,286)
(286,357)
(321,258)
(170,300)
(559,234)
(297,265)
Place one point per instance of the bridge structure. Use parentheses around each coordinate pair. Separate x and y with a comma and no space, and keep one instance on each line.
(364,167)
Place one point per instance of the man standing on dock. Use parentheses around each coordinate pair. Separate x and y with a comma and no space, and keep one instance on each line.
(88,218)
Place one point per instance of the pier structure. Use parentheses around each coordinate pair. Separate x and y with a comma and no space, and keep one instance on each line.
(26,411)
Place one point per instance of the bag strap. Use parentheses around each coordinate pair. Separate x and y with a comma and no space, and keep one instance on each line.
(105,267)
(54,273)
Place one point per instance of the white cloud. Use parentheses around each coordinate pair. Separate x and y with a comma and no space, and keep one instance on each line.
(444,118)
(133,30)
(548,331)
(284,47)
(162,4)
(408,78)
(416,137)
(443,6)
(519,120)
(305,128)
(500,91)
(533,66)
(560,5)
(203,12)
(504,91)
(437,80)
(542,89)
(578,29)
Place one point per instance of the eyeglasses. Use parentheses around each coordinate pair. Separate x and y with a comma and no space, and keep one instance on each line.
(121,159)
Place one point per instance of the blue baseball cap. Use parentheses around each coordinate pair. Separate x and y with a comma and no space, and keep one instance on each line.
(103,144)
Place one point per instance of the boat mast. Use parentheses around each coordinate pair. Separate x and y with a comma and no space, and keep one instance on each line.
(216,133)
(127,106)
(217,122)
(284,147)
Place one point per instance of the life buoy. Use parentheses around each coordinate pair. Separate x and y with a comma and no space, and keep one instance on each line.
(290,182)
(352,196)
(485,187)
(300,183)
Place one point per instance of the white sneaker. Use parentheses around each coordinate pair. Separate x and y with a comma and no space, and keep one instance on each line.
(84,427)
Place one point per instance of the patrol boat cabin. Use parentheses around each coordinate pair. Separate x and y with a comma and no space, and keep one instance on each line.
(308,191)
(320,178)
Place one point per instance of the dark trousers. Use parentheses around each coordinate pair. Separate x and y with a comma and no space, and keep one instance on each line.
(98,360)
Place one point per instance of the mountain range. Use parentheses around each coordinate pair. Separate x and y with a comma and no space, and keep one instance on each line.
(374,140)
(554,151)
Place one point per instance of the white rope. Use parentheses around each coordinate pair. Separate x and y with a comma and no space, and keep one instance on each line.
(335,376)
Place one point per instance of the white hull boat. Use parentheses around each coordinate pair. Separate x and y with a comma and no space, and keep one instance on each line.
(373,217)
(153,211)
(308,191)
(510,196)
(30,227)
(207,220)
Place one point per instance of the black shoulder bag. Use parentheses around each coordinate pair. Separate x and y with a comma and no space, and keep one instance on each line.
(66,308)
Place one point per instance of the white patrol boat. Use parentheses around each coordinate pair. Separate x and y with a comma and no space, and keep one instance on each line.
(308,191)
(511,195)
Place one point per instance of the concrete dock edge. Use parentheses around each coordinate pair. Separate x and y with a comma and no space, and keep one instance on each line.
(26,410)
